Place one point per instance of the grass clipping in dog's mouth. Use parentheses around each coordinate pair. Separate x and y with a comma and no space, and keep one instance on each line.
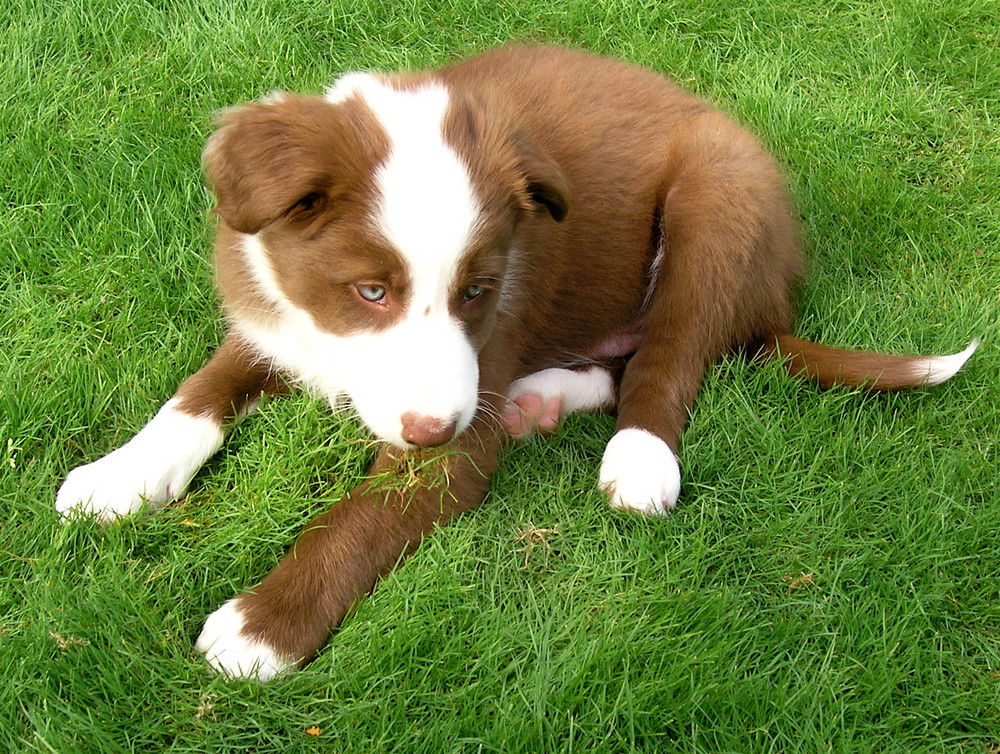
(411,471)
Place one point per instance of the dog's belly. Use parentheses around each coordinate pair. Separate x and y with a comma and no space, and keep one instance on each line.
(618,343)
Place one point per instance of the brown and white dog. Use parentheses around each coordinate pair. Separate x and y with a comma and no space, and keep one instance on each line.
(468,253)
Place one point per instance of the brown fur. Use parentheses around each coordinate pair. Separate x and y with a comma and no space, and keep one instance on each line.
(229,383)
(587,168)
(837,367)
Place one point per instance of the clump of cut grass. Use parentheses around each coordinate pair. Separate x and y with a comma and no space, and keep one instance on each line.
(413,471)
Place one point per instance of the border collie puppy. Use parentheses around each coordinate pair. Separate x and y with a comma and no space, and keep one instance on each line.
(466,254)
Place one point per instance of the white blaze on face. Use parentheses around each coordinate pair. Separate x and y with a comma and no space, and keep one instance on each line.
(427,211)
(424,364)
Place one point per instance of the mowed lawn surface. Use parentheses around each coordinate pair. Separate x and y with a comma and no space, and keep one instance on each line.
(829,581)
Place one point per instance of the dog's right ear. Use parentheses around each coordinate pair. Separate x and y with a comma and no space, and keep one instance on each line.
(269,158)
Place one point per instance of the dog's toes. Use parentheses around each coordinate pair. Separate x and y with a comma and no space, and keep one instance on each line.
(101,490)
(232,653)
(540,401)
(516,419)
(640,472)
(531,412)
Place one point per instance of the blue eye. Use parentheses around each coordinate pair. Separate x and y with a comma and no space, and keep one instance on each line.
(473,291)
(372,292)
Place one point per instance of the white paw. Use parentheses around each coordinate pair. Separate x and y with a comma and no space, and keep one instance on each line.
(539,401)
(233,654)
(579,389)
(154,467)
(639,471)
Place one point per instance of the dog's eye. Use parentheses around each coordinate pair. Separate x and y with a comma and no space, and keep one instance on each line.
(372,292)
(473,291)
(309,203)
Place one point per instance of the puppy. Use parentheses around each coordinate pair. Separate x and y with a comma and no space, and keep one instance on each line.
(468,253)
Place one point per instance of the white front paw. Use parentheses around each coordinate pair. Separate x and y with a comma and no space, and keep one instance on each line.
(640,472)
(154,467)
(230,652)
(108,488)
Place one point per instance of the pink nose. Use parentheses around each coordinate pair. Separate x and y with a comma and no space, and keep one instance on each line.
(426,431)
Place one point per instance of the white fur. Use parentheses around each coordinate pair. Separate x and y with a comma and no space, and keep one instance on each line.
(589,389)
(427,210)
(639,471)
(427,207)
(441,377)
(154,467)
(275,97)
(654,273)
(349,85)
(262,269)
(937,369)
(230,652)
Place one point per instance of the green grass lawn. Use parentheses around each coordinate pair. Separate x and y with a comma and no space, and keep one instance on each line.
(829,581)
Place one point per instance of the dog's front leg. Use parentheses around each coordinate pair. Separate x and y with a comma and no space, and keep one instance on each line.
(341,555)
(157,465)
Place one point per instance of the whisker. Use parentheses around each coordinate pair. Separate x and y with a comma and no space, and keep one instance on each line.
(479,439)
(503,398)
(494,422)
(491,415)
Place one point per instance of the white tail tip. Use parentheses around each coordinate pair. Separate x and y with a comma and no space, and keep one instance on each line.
(937,369)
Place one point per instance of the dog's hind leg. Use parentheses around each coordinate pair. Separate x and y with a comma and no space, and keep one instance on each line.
(727,259)
(157,464)
(539,401)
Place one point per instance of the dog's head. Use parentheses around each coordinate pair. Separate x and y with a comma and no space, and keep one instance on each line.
(367,237)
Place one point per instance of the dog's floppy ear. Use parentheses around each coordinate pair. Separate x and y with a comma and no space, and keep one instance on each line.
(545,184)
(269,158)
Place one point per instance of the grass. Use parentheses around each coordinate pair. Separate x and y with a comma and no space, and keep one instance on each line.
(829,582)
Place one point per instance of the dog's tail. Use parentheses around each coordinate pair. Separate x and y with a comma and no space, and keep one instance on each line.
(876,371)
